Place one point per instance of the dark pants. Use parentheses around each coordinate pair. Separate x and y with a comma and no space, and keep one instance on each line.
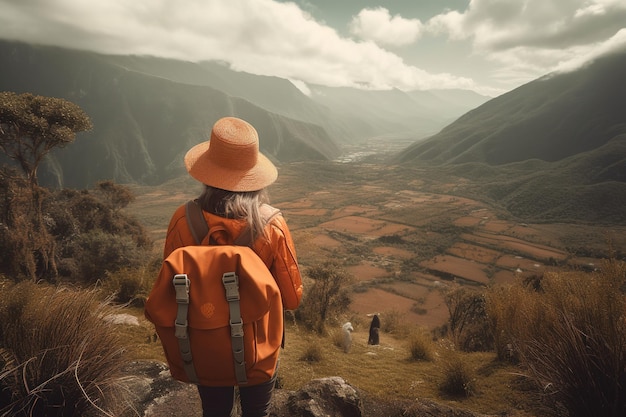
(255,400)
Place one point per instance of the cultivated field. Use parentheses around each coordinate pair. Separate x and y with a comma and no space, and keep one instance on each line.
(404,234)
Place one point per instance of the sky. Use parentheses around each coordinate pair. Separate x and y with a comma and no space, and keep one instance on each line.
(489,46)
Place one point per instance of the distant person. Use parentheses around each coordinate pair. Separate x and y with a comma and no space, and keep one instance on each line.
(347,330)
(374,338)
(235,176)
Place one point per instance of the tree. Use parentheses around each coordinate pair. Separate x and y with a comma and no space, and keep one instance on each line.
(468,319)
(327,297)
(31,126)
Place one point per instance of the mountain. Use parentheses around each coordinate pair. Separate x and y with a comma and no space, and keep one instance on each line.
(143,123)
(415,114)
(273,94)
(551,118)
(551,150)
(348,114)
(148,111)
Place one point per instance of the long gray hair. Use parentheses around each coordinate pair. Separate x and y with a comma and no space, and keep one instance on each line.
(236,205)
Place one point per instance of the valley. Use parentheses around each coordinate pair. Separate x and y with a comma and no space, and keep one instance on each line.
(404,234)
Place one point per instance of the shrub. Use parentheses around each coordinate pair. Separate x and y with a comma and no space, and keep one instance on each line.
(57,354)
(98,253)
(313,353)
(390,321)
(420,346)
(27,250)
(457,379)
(571,338)
(130,285)
(327,297)
(468,323)
(44,233)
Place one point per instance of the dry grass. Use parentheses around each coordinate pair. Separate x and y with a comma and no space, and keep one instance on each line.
(540,329)
(130,285)
(420,345)
(457,379)
(570,336)
(58,355)
(386,372)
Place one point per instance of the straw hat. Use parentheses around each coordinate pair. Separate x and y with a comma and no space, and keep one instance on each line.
(231,159)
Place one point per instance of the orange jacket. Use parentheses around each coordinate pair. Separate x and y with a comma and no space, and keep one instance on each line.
(277,252)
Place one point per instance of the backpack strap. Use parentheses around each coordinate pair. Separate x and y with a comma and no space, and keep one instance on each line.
(195,221)
(181,287)
(231,285)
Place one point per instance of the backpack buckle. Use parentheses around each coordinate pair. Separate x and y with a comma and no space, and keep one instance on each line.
(231,284)
(236,328)
(181,285)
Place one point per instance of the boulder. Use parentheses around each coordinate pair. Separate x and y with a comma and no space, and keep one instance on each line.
(324,397)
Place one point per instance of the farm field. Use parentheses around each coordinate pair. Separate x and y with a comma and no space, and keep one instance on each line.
(404,235)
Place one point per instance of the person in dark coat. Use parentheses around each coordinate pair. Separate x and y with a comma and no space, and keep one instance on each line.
(374,329)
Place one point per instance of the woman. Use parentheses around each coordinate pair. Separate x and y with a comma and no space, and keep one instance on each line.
(234,201)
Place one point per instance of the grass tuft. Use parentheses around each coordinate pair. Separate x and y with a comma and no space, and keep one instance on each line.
(313,353)
(457,379)
(58,355)
(420,346)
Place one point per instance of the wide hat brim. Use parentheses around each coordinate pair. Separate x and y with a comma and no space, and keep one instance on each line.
(231,159)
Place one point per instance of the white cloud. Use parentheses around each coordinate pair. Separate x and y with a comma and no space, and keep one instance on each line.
(591,52)
(377,25)
(258,36)
(598,7)
(531,38)
(497,25)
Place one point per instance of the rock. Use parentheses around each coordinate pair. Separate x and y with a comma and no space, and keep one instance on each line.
(153,390)
(124,318)
(325,397)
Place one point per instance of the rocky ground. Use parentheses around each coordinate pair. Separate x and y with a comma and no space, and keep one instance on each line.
(157,395)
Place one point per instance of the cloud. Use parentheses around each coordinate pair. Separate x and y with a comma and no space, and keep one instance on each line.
(495,25)
(585,55)
(263,37)
(378,26)
(535,37)
(499,25)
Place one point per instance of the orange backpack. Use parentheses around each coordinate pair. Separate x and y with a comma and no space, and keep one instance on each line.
(218,312)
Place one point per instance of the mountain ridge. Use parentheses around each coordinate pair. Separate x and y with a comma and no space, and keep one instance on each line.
(551,118)
(143,124)
(147,111)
